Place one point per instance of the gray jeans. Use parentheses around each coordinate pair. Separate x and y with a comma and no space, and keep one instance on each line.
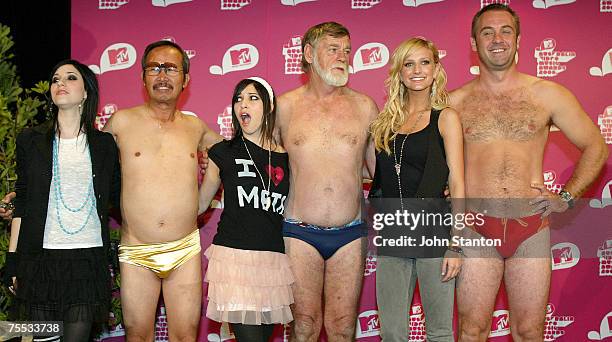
(395,282)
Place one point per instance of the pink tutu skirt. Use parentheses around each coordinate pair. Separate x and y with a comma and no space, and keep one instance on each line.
(248,287)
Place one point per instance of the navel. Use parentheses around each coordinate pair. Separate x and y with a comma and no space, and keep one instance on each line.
(137,154)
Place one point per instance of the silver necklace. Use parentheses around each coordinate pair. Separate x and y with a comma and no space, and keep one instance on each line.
(398,163)
(265,204)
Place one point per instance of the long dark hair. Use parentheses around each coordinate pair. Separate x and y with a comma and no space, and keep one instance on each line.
(90,105)
(269,113)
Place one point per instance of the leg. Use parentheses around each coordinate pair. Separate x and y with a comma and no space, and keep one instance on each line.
(307,267)
(139,296)
(252,333)
(477,287)
(438,299)
(342,287)
(528,308)
(395,282)
(182,292)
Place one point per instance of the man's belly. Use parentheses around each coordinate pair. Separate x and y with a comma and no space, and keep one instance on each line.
(499,181)
(157,211)
(324,199)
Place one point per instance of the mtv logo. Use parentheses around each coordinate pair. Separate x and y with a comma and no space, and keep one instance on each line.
(484,3)
(224,120)
(416,309)
(549,177)
(564,255)
(553,324)
(368,324)
(118,56)
(549,61)
(605,329)
(240,57)
(606,197)
(500,324)
(549,3)
(292,51)
(548,44)
(370,265)
(111,4)
(234,4)
(364,4)
(103,116)
(371,56)
(604,253)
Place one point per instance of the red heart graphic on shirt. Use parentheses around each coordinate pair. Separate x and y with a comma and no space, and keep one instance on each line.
(276,174)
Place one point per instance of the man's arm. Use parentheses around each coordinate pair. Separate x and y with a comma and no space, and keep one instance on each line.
(208,137)
(568,115)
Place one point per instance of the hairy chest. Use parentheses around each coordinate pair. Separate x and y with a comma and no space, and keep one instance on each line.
(514,116)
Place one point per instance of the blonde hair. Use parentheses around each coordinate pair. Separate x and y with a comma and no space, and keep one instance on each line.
(385,127)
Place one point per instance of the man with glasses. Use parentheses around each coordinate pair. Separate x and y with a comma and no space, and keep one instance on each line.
(160,242)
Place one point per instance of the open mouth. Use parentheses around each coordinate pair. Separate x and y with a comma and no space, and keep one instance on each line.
(245,118)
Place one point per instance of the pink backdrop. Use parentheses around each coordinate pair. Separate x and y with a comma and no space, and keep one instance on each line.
(567,41)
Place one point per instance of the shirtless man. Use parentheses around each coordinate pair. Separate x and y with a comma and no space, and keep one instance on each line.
(324,128)
(160,241)
(506,117)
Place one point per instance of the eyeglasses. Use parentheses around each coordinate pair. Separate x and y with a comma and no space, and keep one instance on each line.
(153,69)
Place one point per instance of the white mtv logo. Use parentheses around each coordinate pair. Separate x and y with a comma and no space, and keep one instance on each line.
(234,4)
(606,197)
(111,4)
(549,181)
(549,61)
(500,324)
(223,335)
(604,120)
(605,329)
(292,51)
(364,4)
(224,120)
(550,3)
(368,324)
(484,3)
(606,64)
(415,3)
(166,3)
(294,2)
(564,255)
(604,253)
(554,324)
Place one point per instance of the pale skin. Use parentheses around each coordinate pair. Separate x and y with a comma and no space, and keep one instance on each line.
(158,148)
(324,128)
(506,118)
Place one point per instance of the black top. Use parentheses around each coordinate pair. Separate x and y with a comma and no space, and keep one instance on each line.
(424,174)
(34,171)
(245,224)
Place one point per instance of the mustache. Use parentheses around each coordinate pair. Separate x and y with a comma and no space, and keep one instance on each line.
(162,84)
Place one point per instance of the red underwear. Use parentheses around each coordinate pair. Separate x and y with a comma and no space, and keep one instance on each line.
(519,230)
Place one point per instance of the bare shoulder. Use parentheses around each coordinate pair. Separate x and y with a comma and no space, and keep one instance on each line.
(449,113)
(546,91)
(121,119)
(365,103)
(286,102)
(458,95)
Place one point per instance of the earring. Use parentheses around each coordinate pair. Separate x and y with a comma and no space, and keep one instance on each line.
(433,90)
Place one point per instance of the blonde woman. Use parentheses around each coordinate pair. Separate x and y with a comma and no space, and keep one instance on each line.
(419,149)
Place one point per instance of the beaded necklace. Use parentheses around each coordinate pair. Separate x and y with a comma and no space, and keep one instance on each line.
(59,198)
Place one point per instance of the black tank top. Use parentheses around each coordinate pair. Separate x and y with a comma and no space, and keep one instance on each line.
(414,159)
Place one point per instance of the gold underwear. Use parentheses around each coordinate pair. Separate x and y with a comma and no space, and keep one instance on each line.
(163,257)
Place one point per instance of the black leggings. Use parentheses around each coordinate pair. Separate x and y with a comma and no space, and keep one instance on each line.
(77,331)
(252,333)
